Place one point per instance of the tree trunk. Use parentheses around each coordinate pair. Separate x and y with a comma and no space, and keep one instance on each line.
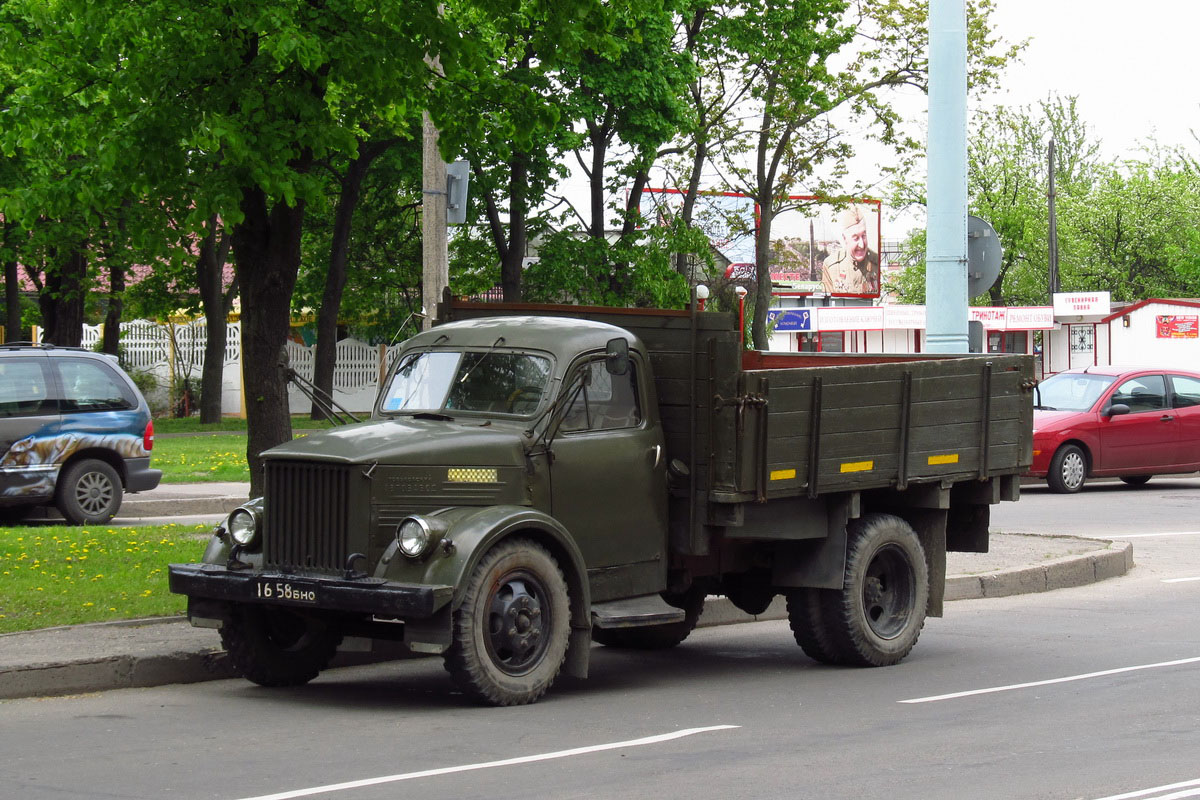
(210,271)
(61,300)
(514,254)
(266,249)
(116,304)
(762,271)
(12,302)
(335,279)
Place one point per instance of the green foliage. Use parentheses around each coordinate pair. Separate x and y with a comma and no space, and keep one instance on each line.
(1125,227)
(590,271)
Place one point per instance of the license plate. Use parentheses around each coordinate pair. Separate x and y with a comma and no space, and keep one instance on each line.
(277,591)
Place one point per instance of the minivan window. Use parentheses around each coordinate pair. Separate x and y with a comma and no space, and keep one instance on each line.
(25,388)
(91,386)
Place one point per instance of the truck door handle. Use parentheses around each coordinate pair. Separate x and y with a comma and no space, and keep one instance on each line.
(657,450)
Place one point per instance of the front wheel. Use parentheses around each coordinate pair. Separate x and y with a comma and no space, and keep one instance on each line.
(276,647)
(875,619)
(88,492)
(511,631)
(1068,470)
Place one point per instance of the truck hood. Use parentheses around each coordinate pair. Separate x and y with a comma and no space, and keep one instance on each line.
(409,441)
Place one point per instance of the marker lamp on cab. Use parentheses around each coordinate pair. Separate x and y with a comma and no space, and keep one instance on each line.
(243,527)
(415,538)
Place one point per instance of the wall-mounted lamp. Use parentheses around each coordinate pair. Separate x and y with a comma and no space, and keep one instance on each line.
(1125,321)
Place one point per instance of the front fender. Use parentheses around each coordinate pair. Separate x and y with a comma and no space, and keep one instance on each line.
(471,532)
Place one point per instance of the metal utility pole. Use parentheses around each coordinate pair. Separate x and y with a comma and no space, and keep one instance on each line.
(946,228)
(1052,236)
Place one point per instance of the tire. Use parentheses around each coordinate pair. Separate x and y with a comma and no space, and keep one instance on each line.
(807,622)
(510,634)
(1136,480)
(88,492)
(277,647)
(1068,470)
(657,637)
(876,618)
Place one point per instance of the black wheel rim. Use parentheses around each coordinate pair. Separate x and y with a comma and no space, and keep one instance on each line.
(888,591)
(94,493)
(518,619)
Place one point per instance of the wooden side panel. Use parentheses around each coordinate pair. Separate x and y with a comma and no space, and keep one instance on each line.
(891,424)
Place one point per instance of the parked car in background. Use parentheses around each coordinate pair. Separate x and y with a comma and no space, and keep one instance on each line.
(75,432)
(1125,422)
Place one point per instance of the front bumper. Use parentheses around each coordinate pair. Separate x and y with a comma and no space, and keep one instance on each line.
(359,596)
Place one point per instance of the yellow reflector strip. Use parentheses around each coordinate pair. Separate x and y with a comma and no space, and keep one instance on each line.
(467,475)
(858,466)
(948,458)
(782,474)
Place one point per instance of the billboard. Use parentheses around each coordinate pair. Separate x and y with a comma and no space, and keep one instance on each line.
(817,246)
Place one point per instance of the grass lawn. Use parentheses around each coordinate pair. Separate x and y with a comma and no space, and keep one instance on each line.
(192,424)
(201,459)
(60,575)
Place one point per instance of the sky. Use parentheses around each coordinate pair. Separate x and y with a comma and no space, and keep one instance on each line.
(1130,62)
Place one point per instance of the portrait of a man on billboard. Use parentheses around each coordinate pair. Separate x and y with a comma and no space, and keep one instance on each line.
(853,266)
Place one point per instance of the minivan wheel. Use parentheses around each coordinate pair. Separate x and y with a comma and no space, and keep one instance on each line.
(88,492)
(1068,469)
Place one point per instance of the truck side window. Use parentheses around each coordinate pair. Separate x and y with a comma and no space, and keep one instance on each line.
(608,403)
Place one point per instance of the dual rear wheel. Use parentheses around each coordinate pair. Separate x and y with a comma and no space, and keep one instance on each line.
(874,620)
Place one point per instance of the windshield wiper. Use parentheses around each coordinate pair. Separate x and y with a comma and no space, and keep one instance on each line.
(499,341)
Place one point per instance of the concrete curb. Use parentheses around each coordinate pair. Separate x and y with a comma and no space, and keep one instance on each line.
(178,653)
(135,506)
(1059,573)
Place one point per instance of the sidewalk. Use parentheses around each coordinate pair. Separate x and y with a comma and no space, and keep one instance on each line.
(140,653)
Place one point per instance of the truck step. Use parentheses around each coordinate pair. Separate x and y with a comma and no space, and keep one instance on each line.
(635,612)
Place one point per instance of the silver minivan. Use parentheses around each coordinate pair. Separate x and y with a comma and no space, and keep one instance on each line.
(75,433)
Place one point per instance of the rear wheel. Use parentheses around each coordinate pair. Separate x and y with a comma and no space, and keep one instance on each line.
(809,627)
(88,492)
(1068,469)
(1136,480)
(511,631)
(657,637)
(875,619)
(277,647)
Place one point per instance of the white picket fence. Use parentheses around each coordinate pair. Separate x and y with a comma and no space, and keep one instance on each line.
(148,347)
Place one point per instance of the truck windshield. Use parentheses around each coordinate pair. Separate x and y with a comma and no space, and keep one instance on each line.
(1071,391)
(484,380)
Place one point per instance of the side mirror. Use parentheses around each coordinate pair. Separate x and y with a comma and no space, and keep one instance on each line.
(616,356)
(1115,410)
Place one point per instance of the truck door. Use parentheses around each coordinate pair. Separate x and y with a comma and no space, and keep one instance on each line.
(608,479)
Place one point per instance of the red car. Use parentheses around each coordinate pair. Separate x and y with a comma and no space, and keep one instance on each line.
(1124,422)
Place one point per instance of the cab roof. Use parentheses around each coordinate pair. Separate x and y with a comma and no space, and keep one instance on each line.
(563,336)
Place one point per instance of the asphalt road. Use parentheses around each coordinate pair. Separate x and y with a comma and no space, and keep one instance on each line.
(1082,693)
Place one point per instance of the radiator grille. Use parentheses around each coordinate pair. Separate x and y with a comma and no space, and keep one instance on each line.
(307,516)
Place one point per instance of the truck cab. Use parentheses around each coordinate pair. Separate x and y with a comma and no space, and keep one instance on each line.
(536,430)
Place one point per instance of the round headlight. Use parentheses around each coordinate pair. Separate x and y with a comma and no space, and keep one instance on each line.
(243,527)
(413,537)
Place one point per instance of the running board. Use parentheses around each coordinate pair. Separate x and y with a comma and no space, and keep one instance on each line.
(635,612)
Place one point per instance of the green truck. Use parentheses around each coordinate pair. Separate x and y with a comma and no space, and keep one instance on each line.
(535,479)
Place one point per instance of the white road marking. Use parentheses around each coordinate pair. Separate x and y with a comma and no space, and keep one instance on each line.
(1122,536)
(1179,580)
(1067,679)
(1167,788)
(507,762)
